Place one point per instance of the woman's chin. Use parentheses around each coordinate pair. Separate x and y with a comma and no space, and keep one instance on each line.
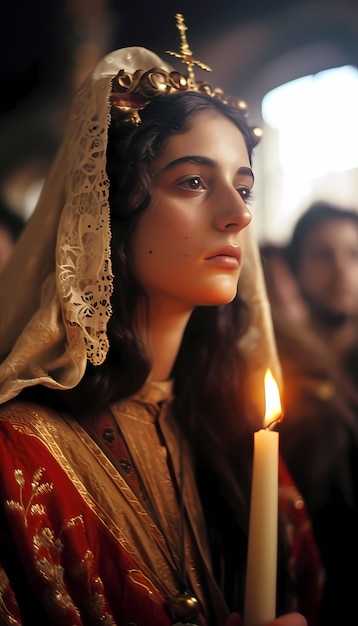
(219,298)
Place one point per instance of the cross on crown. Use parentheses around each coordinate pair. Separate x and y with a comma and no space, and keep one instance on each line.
(185,54)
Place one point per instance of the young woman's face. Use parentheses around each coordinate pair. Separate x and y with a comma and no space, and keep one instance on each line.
(189,243)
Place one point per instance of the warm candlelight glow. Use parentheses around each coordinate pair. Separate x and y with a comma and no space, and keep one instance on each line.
(272,399)
(261,572)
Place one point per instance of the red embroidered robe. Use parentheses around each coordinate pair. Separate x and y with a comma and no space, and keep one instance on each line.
(76,545)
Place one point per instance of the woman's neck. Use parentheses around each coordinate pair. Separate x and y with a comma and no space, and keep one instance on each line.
(163,338)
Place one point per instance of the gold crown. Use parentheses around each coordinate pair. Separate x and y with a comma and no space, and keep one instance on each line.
(131,92)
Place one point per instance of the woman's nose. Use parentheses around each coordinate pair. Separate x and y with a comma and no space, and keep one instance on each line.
(232,214)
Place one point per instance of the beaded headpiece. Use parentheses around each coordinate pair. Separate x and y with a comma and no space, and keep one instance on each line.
(131,92)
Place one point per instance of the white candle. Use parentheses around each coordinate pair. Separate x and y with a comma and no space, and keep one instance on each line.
(261,573)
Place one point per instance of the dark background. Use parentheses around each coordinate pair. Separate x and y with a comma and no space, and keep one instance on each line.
(48,46)
(39,38)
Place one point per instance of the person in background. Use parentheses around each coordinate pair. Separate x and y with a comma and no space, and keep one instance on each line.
(312,284)
(135,342)
(11,226)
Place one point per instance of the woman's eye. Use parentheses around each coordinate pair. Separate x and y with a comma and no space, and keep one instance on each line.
(245,193)
(193,183)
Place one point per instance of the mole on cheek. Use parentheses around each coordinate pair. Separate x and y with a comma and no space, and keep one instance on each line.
(150,251)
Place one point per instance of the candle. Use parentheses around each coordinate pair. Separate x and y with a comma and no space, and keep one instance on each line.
(261,573)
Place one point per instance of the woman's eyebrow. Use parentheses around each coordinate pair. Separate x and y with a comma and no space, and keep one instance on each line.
(200,160)
(189,159)
(246,171)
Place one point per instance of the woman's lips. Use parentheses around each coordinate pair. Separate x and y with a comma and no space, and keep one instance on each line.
(224,261)
(229,257)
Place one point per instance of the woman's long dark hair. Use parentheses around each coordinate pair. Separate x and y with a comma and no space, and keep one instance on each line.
(208,348)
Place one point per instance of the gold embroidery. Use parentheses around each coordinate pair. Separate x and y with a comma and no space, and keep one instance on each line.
(103,491)
(47,548)
(58,438)
(5,589)
(37,489)
(74,521)
(139,579)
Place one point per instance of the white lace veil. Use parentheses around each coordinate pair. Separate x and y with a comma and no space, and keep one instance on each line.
(55,291)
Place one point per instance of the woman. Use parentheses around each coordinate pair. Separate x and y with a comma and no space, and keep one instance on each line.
(129,362)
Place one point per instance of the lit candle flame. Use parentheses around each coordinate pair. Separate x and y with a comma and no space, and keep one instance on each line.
(273,412)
